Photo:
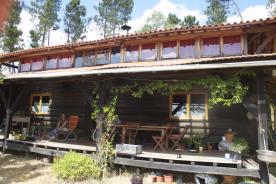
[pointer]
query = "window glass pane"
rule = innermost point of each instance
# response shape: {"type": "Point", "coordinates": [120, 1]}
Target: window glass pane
{"type": "Point", "coordinates": [91, 57]}
{"type": "Point", "coordinates": [25, 66]}
{"type": "Point", "coordinates": [210, 47]}
{"type": "Point", "coordinates": [197, 107]}
{"type": "Point", "coordinates": [51, 63]}
{"type": "Point", "coordinates": [148, 52]}
{"type": "Point", "coordinates": [35, 104]}
{"type": "Point", "coordinates": [232, 45]}
{"type": "Point", "coordinates": [65, 61]}
{"type": "Point", "coordinates": [102, 57]}
{"type": "Point", "coordinates": [187, 49]}
{"type": "Point", "coordinates": [116, 55]}
{"type": "Point", "coordinates": [169, 50]}
{"type": "Point", "coordinates": [179, 106]}
{"type": "Point", "coordinates": [45, 104]}
{"type": "Point", "coordinates": [79, 60]}
{"type": "Point", "coordinates": [132, 53]}
{"type": "Point", "coordinates": [37, 64]}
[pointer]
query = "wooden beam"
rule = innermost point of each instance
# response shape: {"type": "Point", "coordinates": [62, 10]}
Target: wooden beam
{"type": "Point", "coordinates": [264, 43]}
{"type": "Point", "coordinates": [262, 127]}
{"type": "Point", "coordinates": [188, 168]}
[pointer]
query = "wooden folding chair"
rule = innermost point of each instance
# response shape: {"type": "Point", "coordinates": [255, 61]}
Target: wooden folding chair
{"type": "Point", "coordinates": [72, 125]}
{"type": "Point", "coordinates": [162, 141]}
{"type": "Point", "coordinates": [176, 138]}
{"type": "Point", "coordinates": [131, 131]}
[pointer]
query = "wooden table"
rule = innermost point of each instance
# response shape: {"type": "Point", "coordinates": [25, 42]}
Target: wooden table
{"type": "Point", "coordinates": [23, 120]}
{"type": "Point", "coordinates": [151, 128]}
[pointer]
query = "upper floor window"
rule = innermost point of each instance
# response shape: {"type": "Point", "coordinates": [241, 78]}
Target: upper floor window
{"type": "Point", "coordinates": [132, 53]}
{"type": "Point", "coordinates": [148, 52]}
{"type": "Point", "coordinates": [40, 103]}
{"type": "Point", "coordinates": [79, 60]}
{"type": "Point", "coordinates": [189, 106]}
{"type": "Point", "coordinates": [232, 45]}
{"type": "Point", "coordinates": [169, 50]}
{"type": "Point", "coordinates": [25, 65]}
{"type": "Point", "coordinates": [115, 55]}
{"type": "Point", "coordinates": [65, 61]}
{"type": "Point", "coordinates": [187, 49]}
{"type": "Point", "coordinates": [37, 64]}
{"type": "Point", "coordinates": [51, 63]}
{"type": "Point", "coordinates": [91, 58]}
{"type": "Point", "coordinates": [210, 47]}
{"type": "Point", "coordinates": [102, 56]}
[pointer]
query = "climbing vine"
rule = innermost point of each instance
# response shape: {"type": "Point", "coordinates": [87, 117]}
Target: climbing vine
{"type": "Point", "coordinates": [225, 91]}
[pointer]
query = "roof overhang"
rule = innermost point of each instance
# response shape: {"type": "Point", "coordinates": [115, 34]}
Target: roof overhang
{"type": "Point", "coordinates": [145, 69]}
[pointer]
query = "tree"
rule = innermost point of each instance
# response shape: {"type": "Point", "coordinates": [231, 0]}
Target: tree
{"type": "Point", "coordinates": [189, 20]}
{"type": "Point", "coordinates": [46, 14]}
{"type": "Point", "coordinates": [74, 21]}
{"type": "Point", "coordinates": [216, 11]}
{"type": "Point", "coordinates": [172, 21]}
{"type": "Point", "coordinates": [271, 7]}
{"type": "Point", "coordinates": [12, 35]}
{"type": "Point", "coordinates": [112, 14]}
{"type": "Point", "coordinates": [154, 22]}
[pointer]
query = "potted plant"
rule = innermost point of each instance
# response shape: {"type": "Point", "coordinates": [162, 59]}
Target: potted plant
{"type": "Point", "coordinates": [239, 146]}
{"type": "Point", "coordinates": [198, 140]}
{"type": "Point", "coordinates": [210, 147]}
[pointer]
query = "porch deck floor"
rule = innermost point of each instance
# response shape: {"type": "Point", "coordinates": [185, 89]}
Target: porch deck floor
{"type": "Point", "coordinates": [214, 157]}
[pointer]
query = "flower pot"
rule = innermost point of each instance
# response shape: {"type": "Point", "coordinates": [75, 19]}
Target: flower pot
{"type": "Point", "coordinates": [159, 179]}
{"type": "Point", "coordinates": [229, 179]}
{"type": "Point", "coordinates": [200, 148]}
{"type": "Point", "coordinates": [168, 178]}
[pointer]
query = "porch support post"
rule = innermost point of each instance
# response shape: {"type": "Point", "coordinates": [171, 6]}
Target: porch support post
{"type": "Point", "coordinates": [10, 107]}
{"type": "Point", "coordinates": [262, 127]}
{"type": "Point", "coordinates": [100, 118]}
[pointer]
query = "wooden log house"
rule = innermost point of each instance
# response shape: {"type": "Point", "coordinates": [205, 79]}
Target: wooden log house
{"type": "Point", "coordinates": [60, 79]}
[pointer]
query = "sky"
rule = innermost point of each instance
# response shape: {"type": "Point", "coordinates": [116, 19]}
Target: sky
{"type": "Point", "coordinates": [250, 9]}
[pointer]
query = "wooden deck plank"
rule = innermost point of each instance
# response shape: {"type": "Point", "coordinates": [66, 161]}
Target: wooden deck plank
{"type": "Point", "coordinates": [69, 146]}
{"type": "Point", "coordinates": [213, 157]}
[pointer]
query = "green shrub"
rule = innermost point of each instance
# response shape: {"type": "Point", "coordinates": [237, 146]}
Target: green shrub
{"type": "Point", "coordinates": [75, 166]}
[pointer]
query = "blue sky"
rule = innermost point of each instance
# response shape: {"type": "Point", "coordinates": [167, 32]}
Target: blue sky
{"type": "Point", "coordinates": [250, 10]}
{"type": "Point", "coordinates": [141, 5]}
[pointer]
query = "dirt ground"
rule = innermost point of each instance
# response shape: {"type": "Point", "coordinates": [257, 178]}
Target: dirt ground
{"type": "Point", "coordinates": [17, 169]}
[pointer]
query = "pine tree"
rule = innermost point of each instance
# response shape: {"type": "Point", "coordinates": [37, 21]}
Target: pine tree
{"type": "Point", "coordinates": [46, 13]}
{"type": "Point", "coordinates": [271, 7]}
{"type": "Point", "coordinates": [216, 11]}
{"type": "Point", "coordinates": [74, 21]}
{"type": "Point", "coordinates": [172, 21]}
{"type": "Point", "coordinates": [12, 36]}
{"type": "Point", "coordinates": [189, 20]}
{"type": "Point", "coordinates": [154, 22]}
{"type": "Point", "coordinates": [112, 14]}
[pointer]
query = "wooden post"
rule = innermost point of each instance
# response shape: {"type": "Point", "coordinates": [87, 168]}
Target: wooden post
{"type": "Point", "coordinates": [262, 127]}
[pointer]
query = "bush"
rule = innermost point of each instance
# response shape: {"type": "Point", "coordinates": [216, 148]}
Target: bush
{"type": "Point", "coordinates": [75, 166]}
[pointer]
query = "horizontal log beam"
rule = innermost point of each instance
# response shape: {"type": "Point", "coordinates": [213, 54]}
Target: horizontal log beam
{"type": "Point", "coordinates": [188, 168]}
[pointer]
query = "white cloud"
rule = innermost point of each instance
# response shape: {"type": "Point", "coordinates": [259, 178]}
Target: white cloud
{"type": "Point", "coordinates": [252, 12]}
{"type": "Point", "coordinates": [166, 7]}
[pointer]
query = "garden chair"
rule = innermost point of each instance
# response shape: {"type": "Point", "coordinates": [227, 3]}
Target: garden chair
{"type": "Point", "coordinates": [177, 138]}
{"type": "Point", "coordinates": [131, 132]}
{"type": "Point", "coordinates": [162, 141]}
{"type": "Point", "coordinates": [72, 125]}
